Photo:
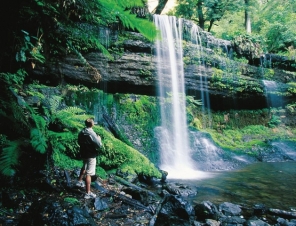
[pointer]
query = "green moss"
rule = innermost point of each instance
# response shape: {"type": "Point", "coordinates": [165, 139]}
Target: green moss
{"type": "Point", "coordinates": [114, 154]}
{"type": "Point", "coordinates": [117, 154]}
{"type": "Point", "coordinates": [145, 73]}
{"type": "Point", "coordinates": [140, 114]}
{"type": "Point", "coordinates": [65, 162]}
{"type": "Point", "coordinates": [268, 73]}
{"type": "Point", "coordinates": [292, 88]}
{"type": "Point", "coordinates": [101, 172]}
{"type": "Point", "coordinates": [248, 137]}
{"type": "Point", "coordinates": [240, 130]}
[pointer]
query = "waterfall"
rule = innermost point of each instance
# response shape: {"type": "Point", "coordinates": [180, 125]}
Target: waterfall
{"type": "Point", "coordinates": [173, 135]}
{"type": "Point", "coordinates": [271, 89]}
{"type": "Point", "coordinates": [196, 39]}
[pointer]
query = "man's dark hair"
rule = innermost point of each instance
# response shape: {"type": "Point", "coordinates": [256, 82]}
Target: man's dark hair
{"type": "Point", "coordinates": [89, 122]}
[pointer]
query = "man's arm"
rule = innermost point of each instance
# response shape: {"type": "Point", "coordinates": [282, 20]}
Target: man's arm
{"type": "Point", "coordinates": [96, 139]}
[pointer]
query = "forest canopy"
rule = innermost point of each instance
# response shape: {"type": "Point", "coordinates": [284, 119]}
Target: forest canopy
{"type": "Point", "coordinates": [271, 22]}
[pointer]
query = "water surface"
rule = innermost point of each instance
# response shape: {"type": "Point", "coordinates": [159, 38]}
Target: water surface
{"type": "Point", "coordinates": [272, 184]}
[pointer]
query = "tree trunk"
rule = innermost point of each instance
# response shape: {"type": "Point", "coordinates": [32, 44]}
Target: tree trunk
{"type": "Point", "coordinates": [211, 24]}
{"type": "Point", "coordinates": [160, 7]}
{"type": "Point", "coordinates": [247, 17]}
{"type": "Point", "coordinates": [201, 19]}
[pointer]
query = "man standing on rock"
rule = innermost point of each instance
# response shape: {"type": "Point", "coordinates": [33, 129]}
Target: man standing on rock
{"type": "Point", "coordinates": [89, 143]}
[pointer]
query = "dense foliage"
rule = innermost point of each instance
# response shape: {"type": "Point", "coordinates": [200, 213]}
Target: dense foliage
{"type": "Point", "coordinates": [272, 22]}
{"type": "Point", "coordinates": [56, 28]}
{"type": "Point", "coordinates": [36, 119]}
{"type": "Point", "coordinates": [39, 121]}
{"type": "Point", "coordinates": [206, 12]}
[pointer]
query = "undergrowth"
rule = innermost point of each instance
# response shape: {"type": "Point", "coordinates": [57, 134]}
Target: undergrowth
{"type": "Point", "coordinates": [249, 136]}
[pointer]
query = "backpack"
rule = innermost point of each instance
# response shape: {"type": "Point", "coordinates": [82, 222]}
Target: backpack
{"type": "Point", "coordinates": [85, 139]}
{"type": "Point", "coordinates": [87, 146]}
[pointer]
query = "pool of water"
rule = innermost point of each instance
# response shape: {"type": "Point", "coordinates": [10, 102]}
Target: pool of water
{"type": "Point", "coordinates": [272, 184]}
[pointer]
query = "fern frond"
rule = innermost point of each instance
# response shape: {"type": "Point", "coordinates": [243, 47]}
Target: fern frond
{"type": "Point", "coordinates": [9, 158]}
{"type": "Point", "coordinates": [38, 140]}
{"type": "Point", "coordinates": [73, 110]}
{"type": "Point", "coordinates": [145, 27]}
{"type": "Point", "coordinates": [53, 103]}
{"type": "Point", "coordinates": [60, 136]}
{"type": "Point", "coordinates": [130, 21]}
{"type": "Point", "coordinates": [129, 3]}
{"type": "Point", "coordinates": [65, 142]}
{"type": "Point", "coordinates": [39, 122]}
{"type": "Point", "coordinates": [72, 117]}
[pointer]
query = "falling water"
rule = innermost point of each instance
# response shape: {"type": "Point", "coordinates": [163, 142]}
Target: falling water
{"type": "Point", "coordinates": [174, 147]}
{"type": "Point", "coordinates": [272, 99]}
{"type": "Point", "coordinates": [195, 38]}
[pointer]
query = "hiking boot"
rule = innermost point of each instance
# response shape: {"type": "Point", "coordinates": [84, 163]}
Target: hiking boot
{"type": "Point", "coordinates": [80, 184]}
{"type": "Point", "coordinates": [90, 195]}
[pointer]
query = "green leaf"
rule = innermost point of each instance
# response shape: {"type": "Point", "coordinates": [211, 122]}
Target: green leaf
{"type": "Point", "coordinates": [9, 158]}
{"type": "Point", "coordinates": [38, 141]}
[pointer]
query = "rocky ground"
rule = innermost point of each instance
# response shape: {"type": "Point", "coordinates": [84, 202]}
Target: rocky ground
{"type": "Point", "coordinates": [52, 198]}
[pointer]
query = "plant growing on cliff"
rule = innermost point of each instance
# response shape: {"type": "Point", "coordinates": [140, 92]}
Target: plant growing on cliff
{"type": "Point", "coordinates": [42, 30]}
{"type": "Point", "coordinates": [77, 22]}
{"type": "Point", "coordinates": [292, 88]}
{"type": "Point", "coordinates": [249, 46]}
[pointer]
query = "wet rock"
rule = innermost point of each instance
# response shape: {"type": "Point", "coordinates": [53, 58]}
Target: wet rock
{"type": "Point", "coordinates": [99, 204]}
{"type": "Point", "coordinates": [206, 210]}
{"type": "Point", "coordinates": [230, 209]}
{"type": "Point", "coordinates": [256, 222]}
{"type": "Point", "coordinates": [78, 216]}
{"type": "Point", "coordinates": [140, 195]}
{"type": "Point", "coordinates": [97, 185]}
{"type": "Point", "coordinates": [283, 213]}
{"type": "Point", "coordinates": [179, 189]}
{"type": "Point", "coordinates": [211, 222]}
{"type": "Point", "coordinates": [176, 206]}
{"type": "Point", "coordinates": [259, 209]}
{"type": "Point", "coordinates": [148, 180]}
{"type": "Point", "coordinates": [282, 221]}
{"type": "Point", "coordinates": [112, 208]}
{"type": "Point", "coordinates": [235, 220]}
{"type": "Point", "coordinates": [196, 223]}
{"type": "Point", "coordinates": [52, 211]}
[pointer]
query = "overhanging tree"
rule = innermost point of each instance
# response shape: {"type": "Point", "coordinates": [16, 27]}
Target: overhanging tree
{"type": "Point", "coordinates": [206, 12]}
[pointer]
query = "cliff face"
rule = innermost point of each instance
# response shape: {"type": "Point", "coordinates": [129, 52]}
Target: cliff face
{"type": "Point", "coordinates": [228, 83]}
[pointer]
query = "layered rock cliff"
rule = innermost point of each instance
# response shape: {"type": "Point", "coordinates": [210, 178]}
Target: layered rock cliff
{"type": "Point", "coordinates": [208, 69]}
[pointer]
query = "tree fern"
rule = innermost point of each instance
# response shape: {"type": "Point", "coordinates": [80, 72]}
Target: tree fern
{"type": "Point", "coordinates": [9, 157]}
